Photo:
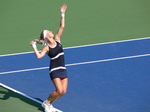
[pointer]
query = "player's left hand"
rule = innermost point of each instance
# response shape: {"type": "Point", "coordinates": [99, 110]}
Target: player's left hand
{"type": "Point", "coordinates": [63, 8]}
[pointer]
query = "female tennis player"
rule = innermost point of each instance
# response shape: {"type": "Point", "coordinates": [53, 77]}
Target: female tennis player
{"type": "Point", "coordinates": [57, 67]}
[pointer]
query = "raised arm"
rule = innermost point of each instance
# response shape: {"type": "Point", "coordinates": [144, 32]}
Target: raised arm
{"type": "Point", "coordinates": [62, 22]}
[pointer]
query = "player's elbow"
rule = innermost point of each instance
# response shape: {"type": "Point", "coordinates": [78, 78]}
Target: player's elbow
{"type": "Point", "coordinates": [62, 27]}
{"type": "Point", "coordinates": [38, 57]}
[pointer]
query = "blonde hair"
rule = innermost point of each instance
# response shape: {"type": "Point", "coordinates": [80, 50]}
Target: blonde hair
{"type": "Point", "coordinates": [41, 39]}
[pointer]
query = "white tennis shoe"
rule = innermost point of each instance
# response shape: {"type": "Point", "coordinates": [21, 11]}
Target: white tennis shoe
{"type": "Point", "coordinates": [55, 109]}
{"type": "Point", "coordinates": [47, 107]}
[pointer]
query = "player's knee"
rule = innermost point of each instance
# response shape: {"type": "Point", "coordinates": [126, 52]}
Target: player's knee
{"type": "Point", "coordinates": [62, 92]}
{"type": "Point", "coordinates": [59, 93]}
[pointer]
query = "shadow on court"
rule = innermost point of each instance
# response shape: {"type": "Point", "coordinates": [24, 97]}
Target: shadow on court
{"type": "Point", "coordinates": [10, 98]}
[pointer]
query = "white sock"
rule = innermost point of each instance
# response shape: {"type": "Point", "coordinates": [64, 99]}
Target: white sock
{"type": "Point", "coordinates": [47, 101]}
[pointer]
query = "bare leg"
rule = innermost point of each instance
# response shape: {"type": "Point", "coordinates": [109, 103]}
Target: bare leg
{"type": "Point", "coordinates": [61, 86]}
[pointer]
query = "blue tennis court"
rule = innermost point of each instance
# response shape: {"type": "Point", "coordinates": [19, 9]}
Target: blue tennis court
{"type": "Point", "coordinates": [108, 77]}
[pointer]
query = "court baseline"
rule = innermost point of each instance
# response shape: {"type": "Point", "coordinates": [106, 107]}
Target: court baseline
{"type": "Point", "coordinates": [73, 64]}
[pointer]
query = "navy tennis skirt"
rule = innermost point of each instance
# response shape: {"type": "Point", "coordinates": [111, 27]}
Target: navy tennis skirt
{"type": "Point", "coordinates": [61, 73]}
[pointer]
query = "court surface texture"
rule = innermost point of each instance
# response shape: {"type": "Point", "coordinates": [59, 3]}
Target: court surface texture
{"type": "Point", "coordinates": [107, 54]}
{"type": "Point", "coordinates": [102, 77]}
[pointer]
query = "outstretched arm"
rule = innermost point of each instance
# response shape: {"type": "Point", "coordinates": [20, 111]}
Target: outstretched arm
{"type": "Point", "coordinates": [62, 22]}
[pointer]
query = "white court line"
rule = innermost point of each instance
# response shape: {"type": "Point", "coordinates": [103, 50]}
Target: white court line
{"type": "Point", "coordinates": [109, 42]}
{"type": "Point", "coordinates": [112, 59]}
{"type": "Point", "coordinates": [25, 70]}
{"type": "Point", "coordinates": [19, 93]}
{"type": "Point", "coordinates": [89, 62]}
{"type": "Point", "coordinates": [83, 46]}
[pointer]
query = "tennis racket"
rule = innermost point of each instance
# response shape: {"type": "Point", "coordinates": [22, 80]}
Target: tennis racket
{"type": "Point", "coordinates": [40, 42]}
